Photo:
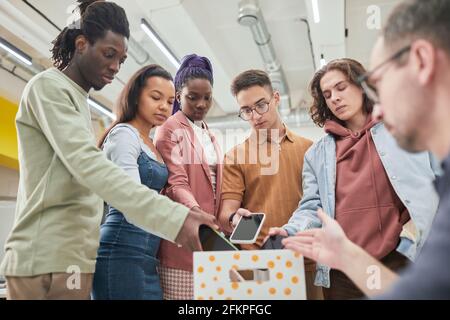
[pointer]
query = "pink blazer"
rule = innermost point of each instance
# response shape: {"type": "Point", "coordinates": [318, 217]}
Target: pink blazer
{"type": "Point", "coordinates": [189, 179]}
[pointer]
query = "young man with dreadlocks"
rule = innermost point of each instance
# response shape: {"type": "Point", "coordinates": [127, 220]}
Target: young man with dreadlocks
{"type": "Point", "coordinates": [51, 251]}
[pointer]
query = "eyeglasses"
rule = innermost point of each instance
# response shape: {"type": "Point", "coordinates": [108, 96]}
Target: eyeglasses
{"type": "Point", "coordinates": [246, 113]}
{"type": "Point", "coordinates": [364, 82]}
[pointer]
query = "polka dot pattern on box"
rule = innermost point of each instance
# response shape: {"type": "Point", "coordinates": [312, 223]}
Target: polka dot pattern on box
{"type": "Point", "coordinates": [279, 275]}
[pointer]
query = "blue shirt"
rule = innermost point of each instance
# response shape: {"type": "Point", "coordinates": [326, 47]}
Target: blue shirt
{"type": "Point", "coordinates": [429, 277]}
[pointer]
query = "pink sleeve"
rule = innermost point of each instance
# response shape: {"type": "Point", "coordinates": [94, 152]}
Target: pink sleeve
{"type": "Point", "coordinates": [170, 143]}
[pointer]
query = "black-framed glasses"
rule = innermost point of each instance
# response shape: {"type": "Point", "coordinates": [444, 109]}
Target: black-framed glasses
{"type": "Point", "coordinates": [364, 82]}
{"type": "Point", "coordinates": [246, 113]}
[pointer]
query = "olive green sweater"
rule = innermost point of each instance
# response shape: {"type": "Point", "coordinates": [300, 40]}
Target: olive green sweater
{"type": "Point", "coordinates": [63, 177]}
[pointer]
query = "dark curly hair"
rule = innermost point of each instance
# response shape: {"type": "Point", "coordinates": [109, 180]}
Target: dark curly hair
{"type": "Point", "coordinates": [97, 18]}
{"type": "Point", "coordinates": [319, 110]}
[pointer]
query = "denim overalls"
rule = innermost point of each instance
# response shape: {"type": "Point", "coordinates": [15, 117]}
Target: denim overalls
{"type": "Point", "coordinates": [126, 260]}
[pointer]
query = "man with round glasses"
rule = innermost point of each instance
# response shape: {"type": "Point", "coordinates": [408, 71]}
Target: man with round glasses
{"type": "Point", "coordinates": [264, 173]}
{"type": "Point", "coordinates": [261, 107]}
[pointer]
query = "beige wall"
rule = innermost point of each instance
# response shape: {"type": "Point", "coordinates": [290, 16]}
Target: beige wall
{"type": "Point", "coordinates": [9, 182]}
{"type": "Point", "coordinates": [6, 222]}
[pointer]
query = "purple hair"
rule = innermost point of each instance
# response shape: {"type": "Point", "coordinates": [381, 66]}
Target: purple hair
{"type": "Point", "coordinates": [192, 67]}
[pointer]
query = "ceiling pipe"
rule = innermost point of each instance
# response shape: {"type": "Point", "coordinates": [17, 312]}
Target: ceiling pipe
{"type": "Point", "coordinates": [250, 15]}
{"type": "Point", "coordinates": [311, 47]}
{"type": "Point", "coordinates": [23, 27]}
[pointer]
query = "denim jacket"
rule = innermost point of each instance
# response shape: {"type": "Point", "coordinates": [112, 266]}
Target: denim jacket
{"type": "Point", "coordinates": [411, 176]}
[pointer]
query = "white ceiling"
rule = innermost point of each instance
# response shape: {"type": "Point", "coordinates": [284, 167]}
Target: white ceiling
{"type": "Point", "coordinates": [210, 28]}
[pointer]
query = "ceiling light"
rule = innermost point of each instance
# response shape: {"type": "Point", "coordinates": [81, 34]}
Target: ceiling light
{"type": "Point", "coordinates": [102, 109]}
{"type": "Point", "coordinates": [160, 43]}
{"type": "Point", "coordinates": [16, 53]}
{"type": "Point", "coordinates": [315, 7]}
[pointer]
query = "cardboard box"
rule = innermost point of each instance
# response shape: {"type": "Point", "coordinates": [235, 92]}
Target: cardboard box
{"type": "Point", "coordinates": [249, 275]}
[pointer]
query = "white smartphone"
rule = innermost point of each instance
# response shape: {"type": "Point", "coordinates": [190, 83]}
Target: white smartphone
{"type": "Point", "coordinates": [248, 228]}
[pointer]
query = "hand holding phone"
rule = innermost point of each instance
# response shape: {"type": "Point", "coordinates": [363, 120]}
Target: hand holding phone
{"type": "Point", "coordinates": [241, 212]}
{"type": "Point", "coordinates": [188, 235]}
{"type": "Point", "coordinates": [213, 240]}
{"type": "Point", "coordinates": [274, 242]}
{"type": "Point", "coordinates": [248, 228]}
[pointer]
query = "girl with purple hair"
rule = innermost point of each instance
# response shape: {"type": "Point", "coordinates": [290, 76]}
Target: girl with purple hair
{"type": "Point", "coordinates": [194, 160]}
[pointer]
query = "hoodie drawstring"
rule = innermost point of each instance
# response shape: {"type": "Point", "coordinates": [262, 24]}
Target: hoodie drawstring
{"type": "Point", "coordinates": [372, 173]}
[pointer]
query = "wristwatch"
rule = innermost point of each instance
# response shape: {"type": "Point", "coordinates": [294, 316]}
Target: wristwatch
{"type": "Point", "coordinates": [230, 219]}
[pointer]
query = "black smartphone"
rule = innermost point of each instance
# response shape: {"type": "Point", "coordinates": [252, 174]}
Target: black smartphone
{"type": "Point", "coordinates": [273, 243]}
{"type": "Point", "coordinates": [213, 240]}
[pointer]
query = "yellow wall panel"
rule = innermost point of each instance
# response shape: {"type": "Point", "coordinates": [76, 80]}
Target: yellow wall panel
{"type": "Point", "coordinates": [8, 136]}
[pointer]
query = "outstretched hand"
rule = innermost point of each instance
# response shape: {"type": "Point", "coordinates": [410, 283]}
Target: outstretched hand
{"type": "Point", "coordinates": [325, 245]}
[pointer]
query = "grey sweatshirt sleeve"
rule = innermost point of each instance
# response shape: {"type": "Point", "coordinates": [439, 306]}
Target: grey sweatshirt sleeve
{"type": "Point", "coordinates": [122, 147]}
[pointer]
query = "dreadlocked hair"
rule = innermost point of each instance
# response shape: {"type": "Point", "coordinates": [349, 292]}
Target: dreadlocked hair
{"type": "Point", "coordinates": [96, 19]}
